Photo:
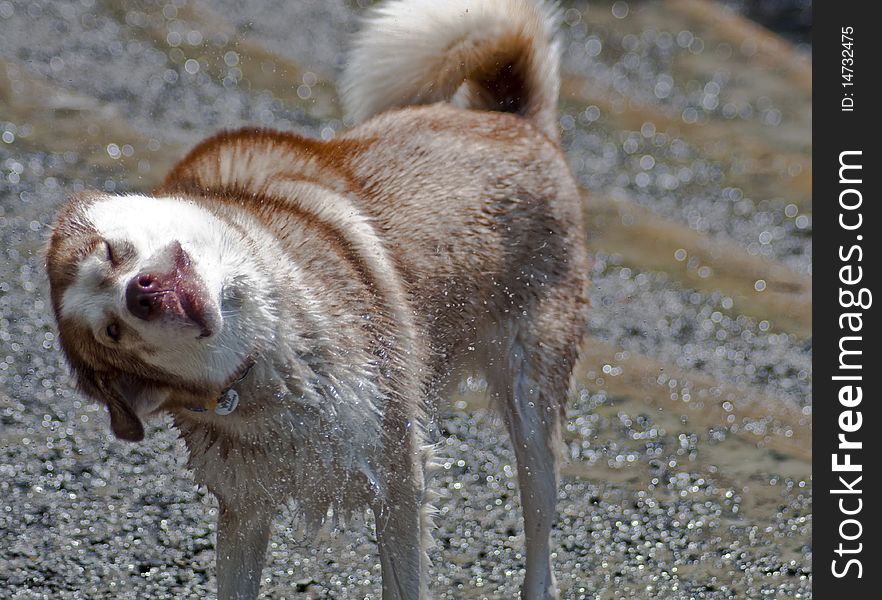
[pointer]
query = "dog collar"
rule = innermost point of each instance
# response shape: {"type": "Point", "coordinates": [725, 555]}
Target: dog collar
{"type": "Point", "coordinates": [228, 399]}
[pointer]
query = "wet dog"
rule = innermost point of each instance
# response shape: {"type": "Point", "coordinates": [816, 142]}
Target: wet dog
{"type": "Point", "coordinates": [299, 306]}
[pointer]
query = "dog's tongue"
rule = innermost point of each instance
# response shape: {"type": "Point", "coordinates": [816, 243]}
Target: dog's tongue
{"type": "Point", "coordinates": [188, 294]}
{"type": "Point", "coordinates": [193, 305]}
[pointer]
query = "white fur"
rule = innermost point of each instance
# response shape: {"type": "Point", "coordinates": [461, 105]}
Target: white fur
{"type": "Point", "coordinates": [151, 225]}
{"type": "Point", "coordinates": [401, 55]}
{"type": "Point", "coordinates": [329, 411]}
{"type": "Point", "coordinates": [333, 421]}
{"type": "Point", "coordinates": [360, 232]}
{"type": "Point", "coordinates": [327, 408]}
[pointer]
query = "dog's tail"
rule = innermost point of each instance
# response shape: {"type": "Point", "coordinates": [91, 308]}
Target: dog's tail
{"type": "Point", "coordinates": [498, 55]}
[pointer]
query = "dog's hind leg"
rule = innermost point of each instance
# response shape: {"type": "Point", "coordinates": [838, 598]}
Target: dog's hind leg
{"type": "Point", "coordinates": [529, 372]}
{"type": "Point", "coordinates": [533, 431]}
{"type": "Point", "coordinates": [242, 535]}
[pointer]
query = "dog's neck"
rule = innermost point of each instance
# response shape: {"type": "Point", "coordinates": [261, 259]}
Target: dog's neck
{"type": "Point", "coordinates": [228, 399]}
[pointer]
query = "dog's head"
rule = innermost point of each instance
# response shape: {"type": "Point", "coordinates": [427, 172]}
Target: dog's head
{"type": "Point", "coordinates": [145, 301]}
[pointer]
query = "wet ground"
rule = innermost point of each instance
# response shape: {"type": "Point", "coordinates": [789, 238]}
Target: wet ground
{"type": "Point", "coordinates": [690, 421]}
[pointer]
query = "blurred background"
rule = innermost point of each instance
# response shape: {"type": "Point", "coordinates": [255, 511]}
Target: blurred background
{"type": "Point", "coordinates": [688, 125]}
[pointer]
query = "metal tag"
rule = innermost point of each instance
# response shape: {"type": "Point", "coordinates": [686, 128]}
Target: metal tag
{"type": "Point", "coordinates": [228, 402]}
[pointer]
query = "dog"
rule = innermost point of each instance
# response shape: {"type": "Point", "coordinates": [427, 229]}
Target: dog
{"type": "Point", "coordinates": [300, 307]}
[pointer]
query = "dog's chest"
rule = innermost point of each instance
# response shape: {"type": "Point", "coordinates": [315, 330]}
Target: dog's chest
{"type": "Point", "coordinates": [322, 449]}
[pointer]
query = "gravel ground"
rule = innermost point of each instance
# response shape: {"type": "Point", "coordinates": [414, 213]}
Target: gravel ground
{"type": "Point", "coordinates": [652, 504]}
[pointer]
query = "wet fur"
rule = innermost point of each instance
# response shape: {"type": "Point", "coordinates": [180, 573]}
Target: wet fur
{"type": "Point", "coordinates": [367, 274]}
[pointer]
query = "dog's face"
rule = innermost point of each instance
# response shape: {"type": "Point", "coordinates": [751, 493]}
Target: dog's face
{"type": "Point", "coordinates": [145, 295]}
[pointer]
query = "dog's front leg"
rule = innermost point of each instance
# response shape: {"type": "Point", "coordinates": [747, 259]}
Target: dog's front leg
{"type": "Point", "coordinates": [242, 535]}
{"type": "Point", "coordinates": [401, 523]}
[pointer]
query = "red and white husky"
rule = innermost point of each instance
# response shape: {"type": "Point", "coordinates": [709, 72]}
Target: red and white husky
{"type": "Point", "coordinates": [299, 306]}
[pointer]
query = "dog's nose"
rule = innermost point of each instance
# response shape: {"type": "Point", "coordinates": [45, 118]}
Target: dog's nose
{"type": "Point", "coordinates": [144, 296]}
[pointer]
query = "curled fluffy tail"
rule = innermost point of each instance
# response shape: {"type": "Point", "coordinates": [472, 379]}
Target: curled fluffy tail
{"type": "Point", "coordinates": [498, 55]}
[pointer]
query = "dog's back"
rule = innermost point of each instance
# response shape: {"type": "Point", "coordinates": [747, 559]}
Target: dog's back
{"type": "Point", "coordinates": [499, 244]}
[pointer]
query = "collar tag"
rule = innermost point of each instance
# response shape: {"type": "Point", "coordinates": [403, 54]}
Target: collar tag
{"type": "Point", "coordinates": [227, 402]}
{"type": "Point", "coordinates": [229, 398]}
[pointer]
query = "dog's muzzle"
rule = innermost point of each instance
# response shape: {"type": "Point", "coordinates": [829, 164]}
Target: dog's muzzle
{"type": "Point", "coordinates": [174, 293]}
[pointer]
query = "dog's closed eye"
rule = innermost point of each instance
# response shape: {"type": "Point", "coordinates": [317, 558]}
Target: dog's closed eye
{"type": "Point", "coordinates": [108, 248]}
{"type": "Point", "coordinates": [118, 252]}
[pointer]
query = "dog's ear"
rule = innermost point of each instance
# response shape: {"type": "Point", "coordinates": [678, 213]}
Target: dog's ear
{"type": "Point", "coordinates": [124, 423]}
{"type": "Point", "coordinates": [120, 395]}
